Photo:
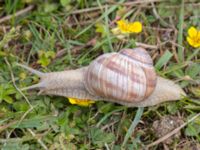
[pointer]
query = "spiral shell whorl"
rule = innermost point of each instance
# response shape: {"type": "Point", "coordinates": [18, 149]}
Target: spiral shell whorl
{"type": "Point", "coordinates": [125, 76]}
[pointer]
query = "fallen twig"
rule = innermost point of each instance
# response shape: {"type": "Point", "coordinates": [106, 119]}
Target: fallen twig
{"type": "Point", "coordinates": [75, 49]}
{"type": "Point", "coordinates": [3, 127]}
{"type": "Point", "coordinates": [172, 132]}
{"type": "Point", "coordinates": [162, 21]}
{"type": "Point", "coordinates": [39, 140]}
{"type": "Point", "coordinates": [21, 12]}
{"type": "Point", "coordinates": [133, 3]}
{"type": "Point", "coordinates": [24, 115]}
{"type": "Point", "coordinates": [146, 45]}
{"type": "Point", "coordinates": [13, 80]}
{"type": "Point", "coordinates": [159, 28]}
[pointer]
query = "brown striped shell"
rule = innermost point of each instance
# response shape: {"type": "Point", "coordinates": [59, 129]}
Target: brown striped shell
{"type": "Point", "coordinates": [127, 76]}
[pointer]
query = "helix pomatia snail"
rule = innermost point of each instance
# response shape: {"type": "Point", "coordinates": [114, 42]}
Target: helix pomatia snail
{"type": "Point", "coordinates": [127, 77]}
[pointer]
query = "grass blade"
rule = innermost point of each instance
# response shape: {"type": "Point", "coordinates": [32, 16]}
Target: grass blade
{"type": "Point", "coordinates": [180, 33]}
{"type": "Point", "coordinates": [193, 54]}
{"type": "Point", "coordinates": [133, 125]}
{"type": "Point", "coordinates": [108, 32]}
{"type": "Point", "coordinates": [163, 60]}
{"type": "Point", "coordinates": [107, 115]}
{"type": "Point", "coordinates": [110, 10]}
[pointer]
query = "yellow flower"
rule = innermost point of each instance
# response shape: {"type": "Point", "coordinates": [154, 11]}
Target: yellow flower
{"type": "Point", "coordinates": [80, 102]}
{"type": "Point", "coordinates": [127, 27]}
{"type": "Point", "coordinates": [193, 37]}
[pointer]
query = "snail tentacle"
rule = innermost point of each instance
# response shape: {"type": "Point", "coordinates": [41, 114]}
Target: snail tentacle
{"type": "Point", "coordinates": [35, 86]}
{"type": "Point", "coordinates": [38, 73]}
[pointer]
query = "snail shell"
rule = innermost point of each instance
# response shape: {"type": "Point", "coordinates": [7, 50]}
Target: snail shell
{"type": "Point", "coordinates": [128, 75]}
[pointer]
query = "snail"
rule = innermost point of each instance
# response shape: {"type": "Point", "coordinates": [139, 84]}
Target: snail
{"type": "Point", "coordinates": [127, 78]}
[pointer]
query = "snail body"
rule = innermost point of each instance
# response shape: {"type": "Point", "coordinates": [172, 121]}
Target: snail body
{"type": "Point", "coordinates": [127, 77]}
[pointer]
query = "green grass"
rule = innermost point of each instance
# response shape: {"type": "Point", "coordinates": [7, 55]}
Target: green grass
{"type": "Point", "coordinates": [37, 37]}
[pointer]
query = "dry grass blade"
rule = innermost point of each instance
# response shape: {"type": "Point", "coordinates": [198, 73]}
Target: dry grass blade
{"type": "Point", "coordinates": [13, 80]}
{"type": "Point", "coordinates": [172, 132]}
{"type": "Point", "coordinates": [19, 13]}
{"type": "Point", "coordinates": [114, 3]}
{"type": "Point", "coordinates": [39, 140]}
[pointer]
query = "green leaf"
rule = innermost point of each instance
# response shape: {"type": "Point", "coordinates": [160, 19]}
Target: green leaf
{"type": "Point", "coordinates": [101, 28]}
{"type": "Point", "coordinates": [193, 70]}
{"type": "Point", "coordinates": [106, 108]}
{"type": "Point", "coordinates": [36, 122]}
{"type": "Point", "coordinates": [100, 138]}
{"type": "Point", "coordinates": [50, 7]}
{"type": "Point", "coordinates": [163, 11]}
{"type": "Point", "coordinates": [172, 108]}
{"type": "Point", "coordinates": [163, 60]}
{"type": "Point", "coordinates": [2, 54]}
{"type": "Point", "coordinates": [15, 145]}
{"type": "Point", "coordinates": [43, 61]}
{"type": "Point", "coordinates": [64, 2]}
{"type": "Point", "coordinates": [7, 37]}
{"type": "Point", "coordinates": [192, 130]}
{"type": "Point", "coordinates": [195, 91]}
{"type": "Point", "coordinates": [8, 99]}
{"type": "Point", "coordinates": [50, 54]}
{"type": "Point", "coordinates": [21, 106]}
{"type": "Point", "coordinates": [45, 57]}
{"type": "Point", "coordinates": [10, 91]}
